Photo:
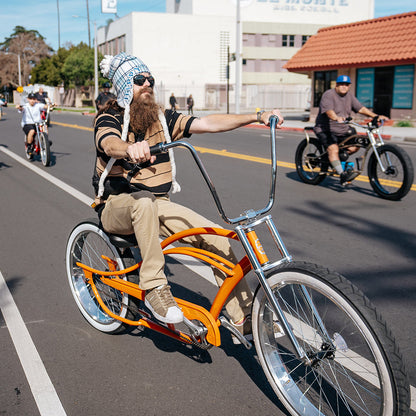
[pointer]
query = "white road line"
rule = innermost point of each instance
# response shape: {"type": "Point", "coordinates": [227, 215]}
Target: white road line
{"type": "Point", "coordinates": [42, 388]}
{"type": "Point", "coordinates": [65, 187]}
{"type": "Point", "coordinates": [196, 266]}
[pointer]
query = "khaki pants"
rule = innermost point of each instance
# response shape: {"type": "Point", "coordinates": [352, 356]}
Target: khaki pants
{"type": "Point", "coordinates": [148, 217]}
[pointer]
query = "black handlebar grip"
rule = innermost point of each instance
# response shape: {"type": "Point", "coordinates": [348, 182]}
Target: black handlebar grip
{"type": "Point", "coordinates": [156, 149]}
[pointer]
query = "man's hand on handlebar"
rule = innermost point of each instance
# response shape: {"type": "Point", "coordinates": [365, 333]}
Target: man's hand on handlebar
{"type": "Point", "coordinates": [265, 118]}
{"type": "Point", "coordinates": [139, 152]}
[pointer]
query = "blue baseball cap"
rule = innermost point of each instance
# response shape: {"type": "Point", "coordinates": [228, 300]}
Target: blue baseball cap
{"type": "Point", "coordinates": [343, 79]}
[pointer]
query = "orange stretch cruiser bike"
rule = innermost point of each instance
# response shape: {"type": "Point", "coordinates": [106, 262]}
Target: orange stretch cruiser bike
{"type": "Point", "coordinates": [322, 345]}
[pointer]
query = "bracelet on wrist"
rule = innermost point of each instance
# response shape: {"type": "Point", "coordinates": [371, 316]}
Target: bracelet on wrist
{"type": "Point", "coordinates": [259, 114]}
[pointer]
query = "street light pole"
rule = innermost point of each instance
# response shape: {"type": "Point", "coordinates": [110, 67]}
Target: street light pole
{"type": "Point", "coordinates": [95, 55]}
{"type": "Point", "coordinates": [19, 69]}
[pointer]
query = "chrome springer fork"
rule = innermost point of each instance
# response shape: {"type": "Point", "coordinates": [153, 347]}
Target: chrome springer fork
{"type": "Point", "coordinates": [243, 232]}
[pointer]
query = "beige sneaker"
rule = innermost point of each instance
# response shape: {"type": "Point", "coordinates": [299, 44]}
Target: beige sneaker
{"type": "Point", "coordinates": [162, 305]}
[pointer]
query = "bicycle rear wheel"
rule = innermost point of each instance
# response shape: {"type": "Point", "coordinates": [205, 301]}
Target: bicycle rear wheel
{"type": "Point", "coordinates": [87, 244]}
{"type": "Point", "coordinates": [45, 151]}
{"type": "Point", "coordinates": [396, 181]}
{"type": "Point", "coordinates": [356, 367]}
{"type": "Point", "coordinates": [309, 165]}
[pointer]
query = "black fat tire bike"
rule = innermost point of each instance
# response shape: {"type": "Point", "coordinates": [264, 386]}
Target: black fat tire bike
{"type": "Point", "coordinates": [390, 169]}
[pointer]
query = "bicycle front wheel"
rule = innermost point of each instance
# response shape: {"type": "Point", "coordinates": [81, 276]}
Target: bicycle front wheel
{"type": "Point", "coordinates": [309, 165]}
{"type": "Point", "coordinates": [45, 151]}
{"type": "Point", "coordinates": [396, 181]}
{"type": "Point", "coordinates": [355, 367]}
{"type": "Point", "coordinates": [88, 244]}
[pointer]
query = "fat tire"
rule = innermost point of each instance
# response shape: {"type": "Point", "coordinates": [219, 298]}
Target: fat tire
{"type": "Point", "coordinates": [334, 289]}
{"type": "Point", "coordinates": [406, 167]}
{"type": "Point", "coordinates": [318, 176]}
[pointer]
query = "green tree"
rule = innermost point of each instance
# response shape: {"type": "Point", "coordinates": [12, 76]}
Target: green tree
{"type": "Point", "coordinates": [79, 66]}
{"type": "Point", "coordinates": [49, 69]}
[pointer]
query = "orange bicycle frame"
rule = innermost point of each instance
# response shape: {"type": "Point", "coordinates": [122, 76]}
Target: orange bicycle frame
{"type": "Point", "coordinates": [210, 319]}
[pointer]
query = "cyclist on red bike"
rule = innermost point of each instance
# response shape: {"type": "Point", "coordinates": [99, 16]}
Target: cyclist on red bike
{"type": "Point", "coordinates": [31, 115]}
{"type": "Point", "coordinates": [335, 106]}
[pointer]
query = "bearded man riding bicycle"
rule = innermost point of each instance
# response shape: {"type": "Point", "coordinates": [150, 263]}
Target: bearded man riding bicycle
{"type": "Point", "coordinates": [132, 200]}
{"type": "Point", "coordinates": [335, 106]}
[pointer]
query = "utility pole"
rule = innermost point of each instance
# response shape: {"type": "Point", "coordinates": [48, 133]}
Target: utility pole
{"type": "Point", "coordinates": [88, 19]}
{"type": "Point", "coordinates": [95, 61]}
{"type": "Point", "coordinates": [59, 26]}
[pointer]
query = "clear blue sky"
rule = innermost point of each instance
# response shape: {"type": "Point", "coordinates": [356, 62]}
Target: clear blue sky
{"type": "Point", "coordinates": [42, 16]}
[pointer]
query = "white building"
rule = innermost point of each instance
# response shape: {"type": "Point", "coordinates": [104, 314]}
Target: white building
{"type": "Point", "coordinates": [187, 48]}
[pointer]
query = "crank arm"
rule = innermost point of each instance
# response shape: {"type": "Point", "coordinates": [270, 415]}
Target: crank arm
{"type": "Point", "coordinates": [235, 332]}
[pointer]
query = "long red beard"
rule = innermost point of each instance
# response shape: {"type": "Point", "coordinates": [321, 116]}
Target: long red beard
{"type": "Point", "coordinates": [143, 112]}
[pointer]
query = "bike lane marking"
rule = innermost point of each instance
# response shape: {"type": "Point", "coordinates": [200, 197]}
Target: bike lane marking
{"type": "Point", "coordinates": [40, 384]}
{"type": "Point", "coordinates": [60, 184]}
{"type": "Point", "coordinates": [226, 153]}
{"type": "Point", "coordinates": [199, 268]}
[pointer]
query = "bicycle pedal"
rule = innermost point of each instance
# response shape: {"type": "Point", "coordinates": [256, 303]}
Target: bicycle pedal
{"type": "Point", "coordinates": [234, 332]}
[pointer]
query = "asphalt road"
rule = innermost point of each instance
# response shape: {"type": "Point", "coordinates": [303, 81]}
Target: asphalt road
{"type": "Point", "coordinates": [368, 239]}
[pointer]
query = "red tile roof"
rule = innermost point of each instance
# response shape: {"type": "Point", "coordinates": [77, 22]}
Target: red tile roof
{"type": "Point", "coordinates": [384, 41]}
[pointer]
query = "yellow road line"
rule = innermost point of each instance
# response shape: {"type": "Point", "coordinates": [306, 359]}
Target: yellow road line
{"type": "Point", "coordinates": [232, 155]}
{"type": "Point", "coordinates": [73, 126]}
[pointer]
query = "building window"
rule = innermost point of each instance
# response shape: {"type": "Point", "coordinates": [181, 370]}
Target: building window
{"type": "Point", "coordinates": [304, 39]}
{"type": "Point", "coordinates": [323, 80]}
{"type": "Point", "coordinates": [113, 46]}
{"type": "Point", "coordinates": [224, 58]}
{"type": "Point", "coordinates": [288, 40]}
{"type": "Point", "coordinates": [403, 86]}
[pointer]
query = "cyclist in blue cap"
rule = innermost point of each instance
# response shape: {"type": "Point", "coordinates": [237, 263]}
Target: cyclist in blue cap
{"type": "Point", "coordinates": [335, 106]}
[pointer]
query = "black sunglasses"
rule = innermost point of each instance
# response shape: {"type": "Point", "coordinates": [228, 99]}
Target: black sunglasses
{"type": "Point", "coordinates": [140, 79]}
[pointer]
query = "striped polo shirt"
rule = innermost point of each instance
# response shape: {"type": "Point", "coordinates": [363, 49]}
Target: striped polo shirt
{"type": "Point", "coordinates": [155, 177]}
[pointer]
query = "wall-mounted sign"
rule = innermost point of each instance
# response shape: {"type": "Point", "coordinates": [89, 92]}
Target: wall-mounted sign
{"type": "Point", "coordinates": [403, 86]}
{"type": "Point", "coordinates": [109, 6]}
{"type": "Point", "coordinates": [365, 86]}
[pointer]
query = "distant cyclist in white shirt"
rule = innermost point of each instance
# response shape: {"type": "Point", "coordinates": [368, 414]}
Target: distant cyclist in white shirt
{"type": "Point", "coordinates": [31, 115]}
